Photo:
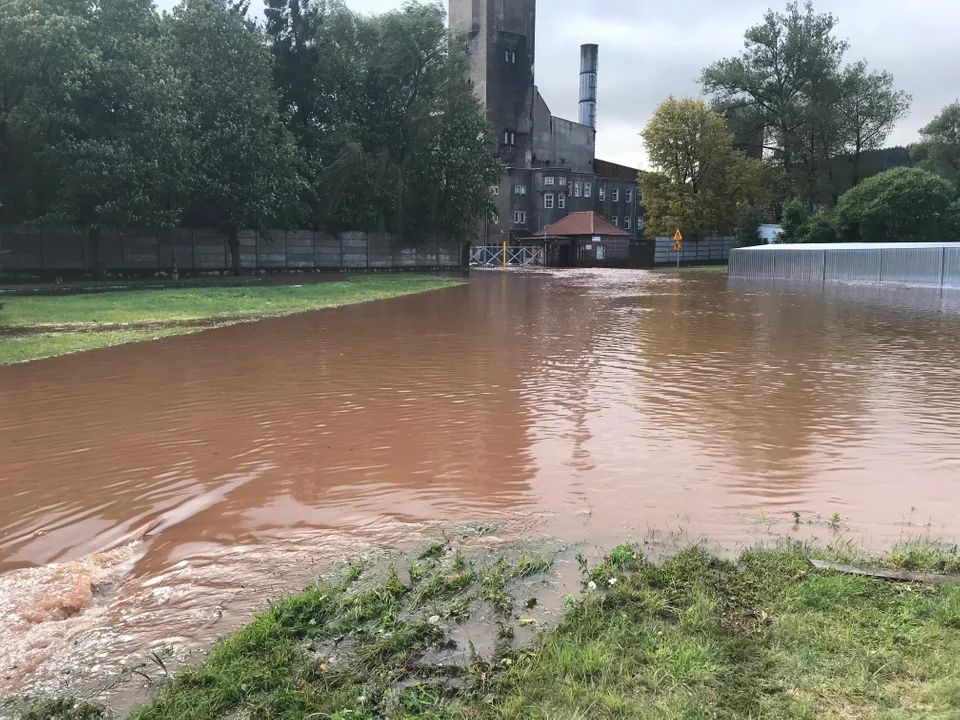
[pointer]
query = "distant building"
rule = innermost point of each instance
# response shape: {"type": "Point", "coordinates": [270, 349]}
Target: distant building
{"type": "Point", "coordinates": [770, 234]}
{"type": "Point", "coordinates": [552, 169]}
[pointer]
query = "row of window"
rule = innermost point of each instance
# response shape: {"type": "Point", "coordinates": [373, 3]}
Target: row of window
{"type": "Point", "coordinates": [520, 218]}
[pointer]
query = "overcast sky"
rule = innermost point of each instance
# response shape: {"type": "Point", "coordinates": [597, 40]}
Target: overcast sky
{"type": "Point", "coordinates": [650, 49]}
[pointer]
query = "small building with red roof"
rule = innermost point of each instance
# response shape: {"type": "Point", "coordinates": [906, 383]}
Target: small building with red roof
{"type": "Point", "coordinates": [585, 239]}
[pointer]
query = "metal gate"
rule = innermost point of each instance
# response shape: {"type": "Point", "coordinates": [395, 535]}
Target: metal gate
{"type": "Point", "coordinates": [491, 256]}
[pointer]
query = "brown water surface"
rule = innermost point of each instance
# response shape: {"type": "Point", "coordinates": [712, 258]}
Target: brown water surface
{"type": "Point", "coordinates": [590, 405]}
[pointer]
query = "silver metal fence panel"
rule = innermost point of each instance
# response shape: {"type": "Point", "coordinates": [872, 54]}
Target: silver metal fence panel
{"type": "Point", "coordinates": [911, 266]}
{"type": "Point", "coordinates": [751, 264]}
{"type": "Point", "coordinates": [806, 265]}
{"type": "Point", "coordinates": [852, 266]}
{"type": "Point", "coordinates": [951, 267]}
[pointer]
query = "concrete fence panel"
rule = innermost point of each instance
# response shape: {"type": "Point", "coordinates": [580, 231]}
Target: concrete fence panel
{"type": "Point", "coordinates": [30, 249]}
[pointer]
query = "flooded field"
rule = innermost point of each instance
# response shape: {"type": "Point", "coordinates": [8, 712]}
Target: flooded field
{"type": "Point", "coordinates": [157, 494]}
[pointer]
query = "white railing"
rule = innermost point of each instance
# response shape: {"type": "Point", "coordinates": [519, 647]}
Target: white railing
{"type": "Point", "coordinates": [507, 256]}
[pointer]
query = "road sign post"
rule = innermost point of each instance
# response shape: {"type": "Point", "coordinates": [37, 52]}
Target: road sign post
{"type": "Point", "coordinates": [677, 245]}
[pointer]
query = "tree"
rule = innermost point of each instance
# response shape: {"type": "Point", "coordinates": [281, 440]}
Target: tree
{"type": "Point", "coordinates": [97, 146]}
{"type": "Point", "coordinates": [45, 59]}
{"type": "Point", "coordinates": [939, 145]}
{"type": "Point", "coordinates": [244, 162]}
{"type": "Point", "coordinates": [794, 221]}
{"type": "Point", "coordinates": [785, 82]}
{"type": "Point", "coordinates": [748, 229]}
{"type": "Point", "coordinates": [121, 161]}
{"type": "Point", "coordinates": [869, 108]}
{"type": "Point", "coordinates": [700, 180]}
{"type": "Point", "coordinates": [903, 204]}
{"type": "Point", "coordinates": [819, 228]}
{"type": "Point", "coordinates": [394, 138]}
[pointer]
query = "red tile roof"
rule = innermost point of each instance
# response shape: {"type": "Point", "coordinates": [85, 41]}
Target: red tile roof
{"type": "Point", "coordinates": [582, 223]}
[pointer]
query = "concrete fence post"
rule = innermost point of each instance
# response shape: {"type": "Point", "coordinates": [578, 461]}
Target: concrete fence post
{"type": "Point", "coordinates": [943, 266]}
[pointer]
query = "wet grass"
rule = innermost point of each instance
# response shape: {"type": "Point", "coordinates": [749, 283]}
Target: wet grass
{"type": "Point", "coordinates": [693, 636]}
{"type": "Point", "coordinates": [40, 327]}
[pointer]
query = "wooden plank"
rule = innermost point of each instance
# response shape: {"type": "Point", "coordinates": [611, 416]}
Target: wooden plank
{"type": "Point", "coordinates": [884, 574]}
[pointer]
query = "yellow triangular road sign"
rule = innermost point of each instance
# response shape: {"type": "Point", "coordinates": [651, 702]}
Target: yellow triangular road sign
{"type": "Point", "coordinates": [677, 236]}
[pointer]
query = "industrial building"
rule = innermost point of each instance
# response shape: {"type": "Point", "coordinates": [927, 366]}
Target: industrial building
{"type": "Point", "coordinates": [552, 169]}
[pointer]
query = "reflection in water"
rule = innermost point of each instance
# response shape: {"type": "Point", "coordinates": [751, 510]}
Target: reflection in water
{"type": "Point", "coordinates": [587, 404]}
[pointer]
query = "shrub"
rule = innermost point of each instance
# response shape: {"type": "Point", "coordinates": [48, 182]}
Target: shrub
{"type": "Point", "coordinates": [748, 229]}
{"type": "Point", "coordinates": [819, 229]}
{"type": "Point", "coordinates": [902, 204]}
{"type": "Point", "coordinates": [793, 222]}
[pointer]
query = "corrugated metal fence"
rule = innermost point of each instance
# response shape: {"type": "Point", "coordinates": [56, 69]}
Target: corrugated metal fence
{"type": "Point", "coordinates": [26, 249]}
{"type": "Point", "coordinates": [900, 264]}
{"type": "Point", "coordinates": [708, 250]}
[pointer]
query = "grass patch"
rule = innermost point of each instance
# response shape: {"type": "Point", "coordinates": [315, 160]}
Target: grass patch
{"type": "Point", "coordinates": [42, 345]}
{"type": "Point", "coordinates": [693, 636]}
{"type": "Point", "coordinates": [70, 323]}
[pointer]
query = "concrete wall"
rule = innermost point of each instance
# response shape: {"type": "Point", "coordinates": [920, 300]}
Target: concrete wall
{"type": "Point", "coordinates": [560, 143]}
{"type": "Point", "coordinates": [48, 250]}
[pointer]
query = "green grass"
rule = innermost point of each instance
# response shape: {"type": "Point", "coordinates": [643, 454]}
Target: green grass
{"type": "Point", "coordinates": [70, 323]}
{"type": "Point", "coordinates": [43, 345]}
{"type": "Point", "coordinates": [693, 636]}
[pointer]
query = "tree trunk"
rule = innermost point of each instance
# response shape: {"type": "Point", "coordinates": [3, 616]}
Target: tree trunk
{"type": "Point", "coordinates": [93, 240]}
{"type": "Point", "coordinates": [856, 167]}
{"type": "Point", "coordinates": [234, 242]}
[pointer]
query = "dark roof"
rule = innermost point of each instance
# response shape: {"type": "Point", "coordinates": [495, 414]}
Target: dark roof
{"type": "Point", "coordinates": [582, 223]}
{"type": "Point", "coordinates": [612, 171]}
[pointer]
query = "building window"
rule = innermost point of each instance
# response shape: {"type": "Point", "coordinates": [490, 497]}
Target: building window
{"type": "Point", "coordinates": [629, 195]}
{"type": "Point", "coordinates": [548, 201]}
{"type": "Point", "coordinates": [549, 180]}
{"type": "Point", "coordinates": [519, 217]}
{"type": "Point", "coordinates": [494, 189]}
{"type": "Point", "coordinates": [581, 252]}
{"type": "Point", "coordinates": [496, 219]}
{"type": "Point", "coordinates": [615, 220]}
{"type": "Point", "coordinates": [639, 196]}
{"type": "Point", "coordinates": [510, 56]}
{"type": "Point", "coordinates": [509, 138]}
{"type": "Point", "coordinates": [519, 189]}
{"type": "Point", "coordinates": [616, 194]}
{"type": "Point", "coordinates": [577, 189]}
{"type": "Point", "coordinates": [626, 222]}
{"type": "Point", "coordinates": [601, 252]}
{"type": "Point", "coordinates": [586, 189]}
{"type": "Point", "coordinates": [561, 201]}
{"type": "Point", "coordinates": [603, 193]}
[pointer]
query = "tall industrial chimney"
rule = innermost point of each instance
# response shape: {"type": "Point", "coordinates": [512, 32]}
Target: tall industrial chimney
{"type": "Point", "coordinates": [588, 84]}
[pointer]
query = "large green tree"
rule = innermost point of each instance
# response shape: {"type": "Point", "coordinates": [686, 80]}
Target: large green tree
{"type": "Point", "coordinates": [394, 137]}
{"type": "Point", "coordinates": [92, 126]}
{"type": "Point", "coordinates": [784, 83]}
{"type": "Point", "coordinates": [869, 108]}
{"type": "Point", "coordinates": [243, 160]}
{"type": "Point", "coordinates": [939, 145]}
{"type": "Point", "coordinates": [699, 180]}
{"type": "Point", "coordinates": [45, 59]}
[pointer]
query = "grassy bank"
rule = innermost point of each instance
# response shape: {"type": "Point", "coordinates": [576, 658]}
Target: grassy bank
{"type": "Point", "coordinates": [690, 637]}
{"type": "Point", "coordinates": [37, 327]}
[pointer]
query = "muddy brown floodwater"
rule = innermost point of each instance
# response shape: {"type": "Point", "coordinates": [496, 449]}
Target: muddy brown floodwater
{"type": "Point", "coordinates": [587, 405]}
